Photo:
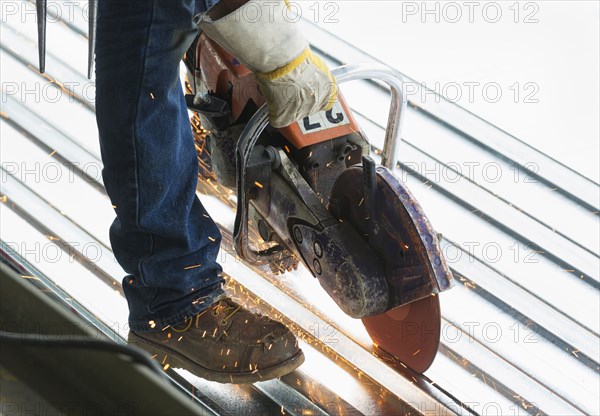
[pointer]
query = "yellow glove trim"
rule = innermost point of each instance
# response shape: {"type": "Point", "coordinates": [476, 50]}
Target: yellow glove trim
{"type": "Point", "coordinates": [284, 70]}
{"type": "Point", "coordinates": [318, 62]}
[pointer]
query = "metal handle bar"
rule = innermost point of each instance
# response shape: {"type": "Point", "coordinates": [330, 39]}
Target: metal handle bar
{"type": "Point", "coordinates": [354, 72]}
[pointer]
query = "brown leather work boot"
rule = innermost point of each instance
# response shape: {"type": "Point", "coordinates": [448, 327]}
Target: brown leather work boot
{"type": "Point", "coordinates": [225, 343]}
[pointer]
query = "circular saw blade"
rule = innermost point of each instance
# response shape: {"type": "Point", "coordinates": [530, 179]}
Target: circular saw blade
{"type": "Point", "coordinates": [410, 333]}
{"type": "Point", "coordinates": [407, 335]}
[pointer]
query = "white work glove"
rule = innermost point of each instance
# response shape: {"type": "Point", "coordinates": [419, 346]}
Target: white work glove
{"type": "Point", "coordinates": [295, 82]}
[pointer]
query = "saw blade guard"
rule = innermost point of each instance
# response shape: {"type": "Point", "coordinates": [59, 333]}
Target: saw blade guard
{"type": "Point", "coordinates": [396, 228]}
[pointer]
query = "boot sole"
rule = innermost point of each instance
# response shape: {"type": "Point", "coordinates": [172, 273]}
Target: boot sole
{"type": "Point", "coordinates": [177, 360]}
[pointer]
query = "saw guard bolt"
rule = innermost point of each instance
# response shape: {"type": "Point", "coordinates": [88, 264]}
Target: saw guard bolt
{"type": "Point", "coordinates": [317, 266]}
{"type": "Point", "coordinates": [318, 249]}
{"type": "Point", "coordinates": [298, 235]}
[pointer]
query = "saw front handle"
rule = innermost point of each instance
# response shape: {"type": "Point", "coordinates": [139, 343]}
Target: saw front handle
{"type": "Point", "coordinates": [260, 120]}
{"type": "Point", "coordinates": [398, 103]}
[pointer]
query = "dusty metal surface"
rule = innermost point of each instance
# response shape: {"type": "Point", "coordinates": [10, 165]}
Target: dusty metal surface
{"type": "Point", "coordinates": [520, 332]}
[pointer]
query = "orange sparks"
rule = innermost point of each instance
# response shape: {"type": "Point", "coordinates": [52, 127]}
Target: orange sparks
{"type": "Point", "coordinates": [416, 352]}
{"type": "Point", "coordinates": [195, 266]}
{"type": "Point", "coordinates": [212, 239]}
{"type": "Point", "coordinates": [287, 149]}
{"type": "Point", "coordinates": [258, 184]}
{"type": "Point", "coordinates": [152, 324]}
{"type": "Point", "coordinates": [166, 367]}
{"type": "Point", "coordinates": [152, 96]}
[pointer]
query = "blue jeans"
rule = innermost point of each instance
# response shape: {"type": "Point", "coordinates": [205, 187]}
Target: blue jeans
{"type": "Point", "coordinates": [162, 236]}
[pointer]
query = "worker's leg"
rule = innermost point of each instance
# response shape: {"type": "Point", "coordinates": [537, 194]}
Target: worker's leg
{"type": "Point", "coordinates": [162, 236]}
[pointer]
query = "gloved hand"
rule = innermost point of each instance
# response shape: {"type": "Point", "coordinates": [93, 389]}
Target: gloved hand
{"type": "Point", "coordinates": [294, 81]}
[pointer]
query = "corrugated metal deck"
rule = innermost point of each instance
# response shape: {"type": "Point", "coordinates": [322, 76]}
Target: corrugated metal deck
{"type": "Point", "coordinates": [521, 233]}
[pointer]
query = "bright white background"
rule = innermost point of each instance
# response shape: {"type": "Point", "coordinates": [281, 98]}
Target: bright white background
{"type": "Point", "coordinates": [469, 52]}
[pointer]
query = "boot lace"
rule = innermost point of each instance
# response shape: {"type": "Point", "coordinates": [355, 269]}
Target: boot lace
{"type": "Point", "coordinates": [225, 305]}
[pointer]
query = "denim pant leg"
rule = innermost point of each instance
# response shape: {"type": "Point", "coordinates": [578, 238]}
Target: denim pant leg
{"type": "Point", "coordinates": [162, 236]}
